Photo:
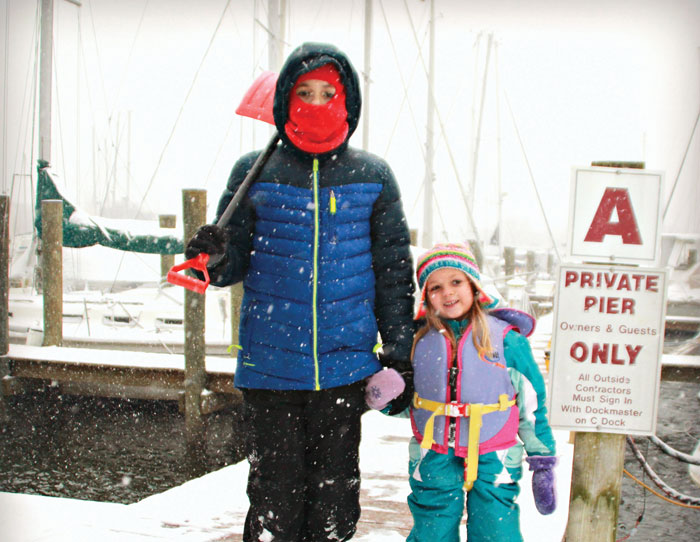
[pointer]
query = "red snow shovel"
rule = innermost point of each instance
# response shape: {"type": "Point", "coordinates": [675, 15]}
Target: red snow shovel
{"type": "Point", "coordinates": [256, 104]}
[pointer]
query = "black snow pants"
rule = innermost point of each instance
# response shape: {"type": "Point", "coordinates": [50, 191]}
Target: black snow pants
{"type": "Point", "coordinates": [303, 450]}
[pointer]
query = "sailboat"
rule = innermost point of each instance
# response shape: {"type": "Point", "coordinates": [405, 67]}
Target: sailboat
{"type": "Point", "coordinates": [147, 317]}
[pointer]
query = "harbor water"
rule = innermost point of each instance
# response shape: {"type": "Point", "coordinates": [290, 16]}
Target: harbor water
{"type": "Point", "coordinates": [110, 450]}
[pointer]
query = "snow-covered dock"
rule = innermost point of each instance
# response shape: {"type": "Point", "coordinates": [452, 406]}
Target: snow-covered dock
{"type": "Point", "coordinates": [115, 373]}
{"type": "Point", "coordinates": [212, 508]}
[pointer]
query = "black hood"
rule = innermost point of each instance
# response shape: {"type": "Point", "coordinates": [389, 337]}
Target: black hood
{"type": "Point", "coordinates": [305, 58]}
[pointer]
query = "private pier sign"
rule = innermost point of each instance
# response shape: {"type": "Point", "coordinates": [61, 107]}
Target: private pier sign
{"type": "Point", "coordinates": [610, 306]}
{"type": "Point", "coordinates": [607, 343]}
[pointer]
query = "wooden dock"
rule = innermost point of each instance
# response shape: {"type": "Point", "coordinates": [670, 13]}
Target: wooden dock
{"type": "Point", "coordinates": [114, 373]}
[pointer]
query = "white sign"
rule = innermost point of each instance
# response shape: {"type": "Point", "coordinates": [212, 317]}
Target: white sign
{"type": "Point", "coordinates": [607, 344]}
{"type": "Point", "coordinates": [615, 215]}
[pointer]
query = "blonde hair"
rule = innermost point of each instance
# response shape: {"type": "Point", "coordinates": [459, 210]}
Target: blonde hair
{"type": "Point", "coordinates": [480, 328]}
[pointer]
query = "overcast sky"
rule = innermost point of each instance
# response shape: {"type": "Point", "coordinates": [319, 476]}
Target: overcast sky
{"type": "Point", "coordinates": [581, 80]}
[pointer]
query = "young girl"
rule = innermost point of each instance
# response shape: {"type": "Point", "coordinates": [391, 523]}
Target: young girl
{"type": "Point", "coordinates": [479, 400]}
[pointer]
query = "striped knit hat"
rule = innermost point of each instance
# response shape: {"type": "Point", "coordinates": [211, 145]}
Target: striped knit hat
{"type": "Point", "coordinates": [450, 255]}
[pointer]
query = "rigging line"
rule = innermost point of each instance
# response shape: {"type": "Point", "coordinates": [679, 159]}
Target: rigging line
{"type": "Point", "coordinates": [128, 59]}
{"type": "Point", "coordinates": [182, 108]}
{"type": "Point", "coordinates": [403, 84]}
{"type": "Point", "coordinates": [659, 495]}
{"type": "Point", "coordinates": [686, 458]}
{"type": "Point", "coordinates": [447, 145]}
{"type": "Point", "coordinates": [442, 136]}
{"type": "Point", "coordinates": [269, 32]}
{"type": "Point", "coordinates": [35, 112]}
{"type": "Point", "coordinates": [532, 177]}
{"type": "Point", "coordinates": [58, 103]}
{"type": "Point", "coordinates": [694, 501]}
{"type": "Point", "coordinates": [477, 56]}
{"type": "Point", "coordinates": [455, 102]}
{"type": "Point", "coordinates": [218, 151]}
{"type": "Point", "coordinates": [350, 18]}
{"type": "Point", "coordinates": [640, 517]}
{"type": "Point", "coordinates": [442, 220]}
{"type": "Point", "coordinates": [316, 17]}
{"type": "Point", "coordinates": [421, 187]}
{"type": "Point", "coordinates": [91, 103]}
{"type": "Point", "coordinates": [404, 100]}
{"type": "Point", "coordinates": [30, 113]}
{"type": "Point", "coordinates": [104, 90]}
{"type": "Point", "coordinates": [675, 183]}
{"type": "Point", "coordinates": [97, 53]}
{"type": "Point", "coordinates": [437, 207]}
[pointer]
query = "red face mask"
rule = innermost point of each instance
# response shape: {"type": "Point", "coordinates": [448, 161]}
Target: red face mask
{"type": "Point", "coordinates": [318, 128]}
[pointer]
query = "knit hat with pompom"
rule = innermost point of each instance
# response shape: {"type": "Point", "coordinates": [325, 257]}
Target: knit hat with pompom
{"type": "Point", "coordinates": [454, 255]}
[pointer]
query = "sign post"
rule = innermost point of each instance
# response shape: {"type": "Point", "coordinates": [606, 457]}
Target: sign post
{"type": "Point", "coordinates": [608, 336]}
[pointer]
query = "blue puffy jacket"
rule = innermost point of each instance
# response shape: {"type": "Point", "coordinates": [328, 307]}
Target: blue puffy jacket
{"type": "Point", "coordinates": [322, 246]}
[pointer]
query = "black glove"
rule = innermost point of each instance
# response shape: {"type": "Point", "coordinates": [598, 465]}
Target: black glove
{"type": "Point", "coordinates": [209, 239]}
{"type": "Point", "coordinates": [403, 401]}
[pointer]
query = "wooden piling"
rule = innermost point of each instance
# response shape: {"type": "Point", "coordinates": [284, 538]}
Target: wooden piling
{"type": "Point", "coordinates": [4, 274]}
{"type": "Point", "coordinates": [236, 293]}
{"type": "Point", "coordinates": [413, 233]}
{"type": "Point", "coordinates": [478, 254]}
{"type": "Point", "coordinates": [596, 482]}
{"type": "Point", "coordinates": [166, 260]}
{"type": "Point", "coordinates": [531, 263]}
{"type": "Point", "coordinates": [509, 261]}
{"type": "Point", "coordinates": [4, 296]}
{"type": "Point", "coordinates": [194, 203]}
{"type": "Point", "coordinates": [52, 270]}
{"type": "Point", "coordinates": [550, 264]}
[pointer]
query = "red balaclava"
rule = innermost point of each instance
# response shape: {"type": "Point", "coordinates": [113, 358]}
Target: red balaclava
{"type": "Point", "coordinates": [318, 128]}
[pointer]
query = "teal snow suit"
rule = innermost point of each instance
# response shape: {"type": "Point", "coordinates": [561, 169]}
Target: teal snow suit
{"type": "Point", "coordinates": [437, 475]}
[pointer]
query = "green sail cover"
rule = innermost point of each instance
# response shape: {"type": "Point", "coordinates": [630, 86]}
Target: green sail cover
{"type": "Point", "coordinates": [83, 230]}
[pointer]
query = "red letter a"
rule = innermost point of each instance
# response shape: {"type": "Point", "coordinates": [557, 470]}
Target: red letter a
{"type": "Point", "coordinates": [614, 198]}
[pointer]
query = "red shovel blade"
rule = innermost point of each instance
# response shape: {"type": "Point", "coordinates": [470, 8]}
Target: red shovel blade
{"type": "Point", "coordinates": [257, 102]}
{"type": "Point", "coordinates": [191, 283]}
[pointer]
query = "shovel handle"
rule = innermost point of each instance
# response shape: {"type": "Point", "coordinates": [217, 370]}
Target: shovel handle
{"type": "Point", "coordinates": [198, 263]}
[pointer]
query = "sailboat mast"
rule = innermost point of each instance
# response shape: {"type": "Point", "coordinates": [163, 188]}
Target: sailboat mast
{"type": "Point", "coordinates": [499, 184]}
{"type": "Point", "coordinates": [477, 140]}
{"type": "Point", "coordinates": [427, 238]}
{"type": "Point", "coordinates": [366, 74]}
{"type": "Point", "coordinates": [45, 75]}
{"type": "Point", "coordinates": [276, 16]}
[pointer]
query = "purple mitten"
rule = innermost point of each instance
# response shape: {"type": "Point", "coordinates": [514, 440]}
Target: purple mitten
{"type": "Point", "coordinates": [543, 487]}
{"type": "Point", "coordinates": [383, 387]}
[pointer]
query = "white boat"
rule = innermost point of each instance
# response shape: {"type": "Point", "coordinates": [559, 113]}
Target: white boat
{"type": "Point", "coordinates": [145, 318]}
{"type": "Point", "coordinates": [680, 255]}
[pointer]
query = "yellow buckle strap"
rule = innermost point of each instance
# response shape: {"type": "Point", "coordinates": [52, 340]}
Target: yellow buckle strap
{"type": "Point", "coordinates": [472, 466]}
{"type": "Point", "coordinates": [475, 412]}
{"type": "Point", "coordinates": [436, 408]}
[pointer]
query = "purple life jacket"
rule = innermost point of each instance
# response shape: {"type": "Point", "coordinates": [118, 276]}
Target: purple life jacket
{"type": "Point", "coordinates": [478, 381]}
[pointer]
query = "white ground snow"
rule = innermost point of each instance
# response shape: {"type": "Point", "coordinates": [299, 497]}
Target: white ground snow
{"type": "Point", "coordinates": [213, 507]}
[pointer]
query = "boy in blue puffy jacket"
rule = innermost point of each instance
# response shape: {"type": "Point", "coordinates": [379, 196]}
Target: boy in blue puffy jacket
{"type": "Point", "coordinates": [322, 246]}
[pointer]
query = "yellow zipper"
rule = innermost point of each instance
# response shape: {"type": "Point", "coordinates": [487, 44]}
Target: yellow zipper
{"type": "Point", "coordinates": [315, 282]}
